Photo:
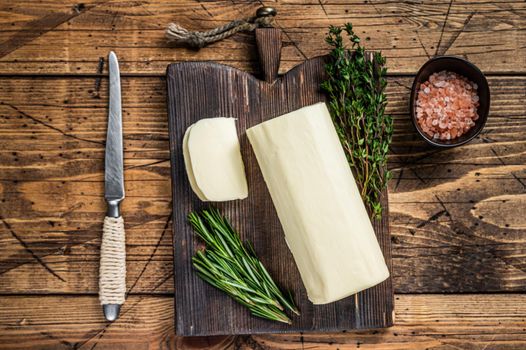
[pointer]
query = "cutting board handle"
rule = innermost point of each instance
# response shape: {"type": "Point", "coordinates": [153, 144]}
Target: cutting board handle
{"type": "Point", "coordinates": [268, 41]}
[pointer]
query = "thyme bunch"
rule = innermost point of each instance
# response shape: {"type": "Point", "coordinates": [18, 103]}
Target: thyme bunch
{"type": "Point", "coordinates": [356, 90]}
{"type": "Point", "coordinates": [233, 267]}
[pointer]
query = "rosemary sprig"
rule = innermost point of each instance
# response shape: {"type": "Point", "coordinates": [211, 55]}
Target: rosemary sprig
{"type": "Point", "coordinates": [356, 89]}
{"type": "Point", "coordinates": [234, 268]}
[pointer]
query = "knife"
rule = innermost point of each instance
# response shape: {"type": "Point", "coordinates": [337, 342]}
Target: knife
{"type": "Point", "coordinates": [112, 272]}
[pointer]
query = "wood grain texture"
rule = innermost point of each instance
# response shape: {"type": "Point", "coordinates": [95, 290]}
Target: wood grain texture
{"type": "Point", "coordinates": [53, 37]}
{"type": "Point", "coordinates": [433, 322]}
{"type": "Point", "coordinates": [201, 89]}
{"type": "Point", "coordinates": [269, 43]}
{"type": "Point", "coordinates": [42, 161]}
{"type": "Point", "coordinates": [473, 199]}
{"type": "Point", "coordinates": [51, 147]}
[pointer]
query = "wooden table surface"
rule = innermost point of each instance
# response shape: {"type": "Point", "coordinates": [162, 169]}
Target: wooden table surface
{"type": "Point", "coordinates": [458, 218]}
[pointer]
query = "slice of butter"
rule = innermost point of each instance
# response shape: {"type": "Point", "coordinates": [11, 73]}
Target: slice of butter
{"type": "Point", "coordinates": [188, 166]}
{"type": "Point", "coordinates": [326, 225]}
{"type": "Point", "coordinates": [213, 160]}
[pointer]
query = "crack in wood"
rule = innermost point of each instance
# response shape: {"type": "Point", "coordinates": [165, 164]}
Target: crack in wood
{"type": "Point", "coordinates": [323, 8]}
{"type": "Point", "coordinates": [58, 339]}
{"type": "Point", "coordinates": [402, 85]}
{"type": "Point", "coordinates": [12, 267]}
{"type": "Point", "coordinates": [162, 281]}
{"type": "Point", "coordinates": [206, 10]}
{"type": "Point", "coordinates": [76, 244]}
{"type": "Point", "coordinates": [433, 217]}
{"type": "Point", "coordinates": [398, 180]}
{"type": "Point", "coordinates": [123, 313]}
{"type": "Point", "coordinates": [292, 42]}
{"type": "Point", "coordinates": [452, 40]}
{"type": "Point", "coordinates": [504, 8]}
{"type": "Point", "coordinates": [38, 121]}
{"type": "Point", "coordinates": [443, 27]}
{"type": "Point", "coordinates": [447, 213]}
{"type": "Point", "coordinates": [147, 164]}
{"type": "Point", "coordinates": [376, 9]}
{"type": "Point", "coordinates": [496, 155]}
{"type": "Point", "coordinates": [409, 151]}
{"type": "Point", "coordinates": [98, 339]}
{"type": "Point", "coordinates": [90, 177]}
{"type": "Point", "coordinates": [413, 170]}
{"type": "Point", "coordinates": [102, 330]}
{"type": "Point", "coordinates": [487, 139]}
{"type": "Point", "coordinates": [418, 160]}
{"type": "Point", "coordinates": [444, 163]}
{"type": "Point", "coordinates": [455, 225]}
{"type": "Point", "coordinates": [487, 247]}
{"type": "Point", "coordinates": [490, 342]}
{"type": "Point", "coordinates": [519, 180]}
{"type": "Point", "coordinates": [29, 250]}
{"type": "Point", "coordinates": [422, 45]}
{"type": "Point", "coordinates": [165, 229]}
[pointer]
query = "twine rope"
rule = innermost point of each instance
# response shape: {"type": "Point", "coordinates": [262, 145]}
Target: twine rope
{"type": "Point", "coordinates": [112, 272]}
{"type": "Point", "coordinates": [180, 35]}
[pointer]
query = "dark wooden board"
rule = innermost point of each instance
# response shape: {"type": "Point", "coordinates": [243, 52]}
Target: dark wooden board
{"type": "Point", "coordinates": [205, 89]}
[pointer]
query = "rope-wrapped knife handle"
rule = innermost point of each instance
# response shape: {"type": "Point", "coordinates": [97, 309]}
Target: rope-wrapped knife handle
{"type": "Point", "coordinates": [112, 273]}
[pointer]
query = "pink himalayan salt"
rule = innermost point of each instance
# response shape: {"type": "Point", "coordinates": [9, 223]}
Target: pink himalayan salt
{"type": "Point", "coordinates": [446, 106]}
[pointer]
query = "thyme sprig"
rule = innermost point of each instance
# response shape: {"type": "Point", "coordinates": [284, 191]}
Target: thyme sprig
{"type": "Point", "coordinates": [233, 267]}
{"type": "Point", "coordinates": [356, 90]}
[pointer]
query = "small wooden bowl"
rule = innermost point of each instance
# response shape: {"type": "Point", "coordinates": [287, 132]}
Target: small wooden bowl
{"type": "Point", "coordinates": [461, 67]}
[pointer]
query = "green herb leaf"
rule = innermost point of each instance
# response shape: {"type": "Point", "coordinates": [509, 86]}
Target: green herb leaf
{"type": "Point", "coordinates": [233, 267]}
{"type": "Point", "coordinates": [356, 98]}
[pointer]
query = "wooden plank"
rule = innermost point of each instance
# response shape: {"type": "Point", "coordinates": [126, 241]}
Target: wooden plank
{"type": "Point", "coordinates": [52, 132]}
{"type": "Point", "coordinates": [222, 91]}
{"type": "Point", "coordinates": [51, 190]}
{"type": "Point", "coordinates": [465, 203]}
{"type": "Point", "coordinates": [66, 37]}
{"type": "Point", "coordinates": [433, 322]}
{"type": "Point", "coordinates": [77, 323]}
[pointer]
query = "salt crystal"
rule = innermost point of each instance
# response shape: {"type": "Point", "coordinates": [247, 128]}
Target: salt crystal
{"type": "Point", "coordinates": [429, 122]}
{"type": "Point", "coordinates": [447, 105]}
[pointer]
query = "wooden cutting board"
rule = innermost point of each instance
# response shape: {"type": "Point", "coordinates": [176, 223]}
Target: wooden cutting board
{"type": "Point", "coordinates": [205, 89]}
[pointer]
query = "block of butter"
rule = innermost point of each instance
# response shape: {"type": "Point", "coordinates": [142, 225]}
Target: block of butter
{"type": "Point", "coordinates": [213, 160]}
{"type": "Point", "coordinates": [325, 222]}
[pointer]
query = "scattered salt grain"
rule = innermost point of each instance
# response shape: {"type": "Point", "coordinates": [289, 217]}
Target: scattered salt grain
{"type": "Point", "coordinates": [447, 105]}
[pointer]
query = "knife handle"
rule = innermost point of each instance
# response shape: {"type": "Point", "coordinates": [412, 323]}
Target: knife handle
{"type": "Point", "coordinates": [112, 272]}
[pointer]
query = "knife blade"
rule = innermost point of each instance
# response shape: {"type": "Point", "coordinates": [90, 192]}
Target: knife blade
{"type": "Point", "coordinates": [112, 273]}
{"type": "Point", "coordinates": [113, 160]}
